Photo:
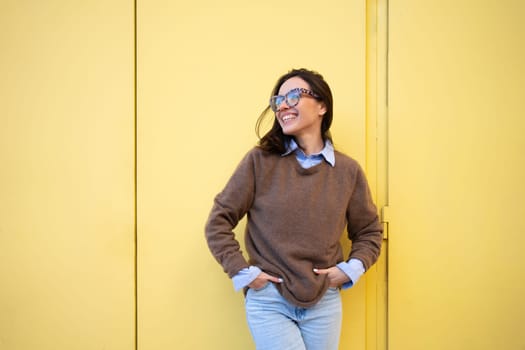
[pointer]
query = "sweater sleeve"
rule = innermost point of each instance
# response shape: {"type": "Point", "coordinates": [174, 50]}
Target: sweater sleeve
{"type": "Point", "coordinates": [229, 207]}
{"type": "Point", "coordinates": [364, 228]}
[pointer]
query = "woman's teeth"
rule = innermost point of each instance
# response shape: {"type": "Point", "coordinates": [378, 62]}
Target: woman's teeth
{"type": "Point", "coordinates": [288, 117]}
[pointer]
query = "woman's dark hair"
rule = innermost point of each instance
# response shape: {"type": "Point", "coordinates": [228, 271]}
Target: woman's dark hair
{"type": "Point", "coordinates": [275, 140]}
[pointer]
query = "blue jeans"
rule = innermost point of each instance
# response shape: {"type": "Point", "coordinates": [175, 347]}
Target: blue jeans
{"type": "Point", "coordinates": [276, 324]}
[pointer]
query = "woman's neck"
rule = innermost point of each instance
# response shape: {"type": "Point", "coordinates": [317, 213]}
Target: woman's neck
{"type": "Point", "coordinates": [310, 145]}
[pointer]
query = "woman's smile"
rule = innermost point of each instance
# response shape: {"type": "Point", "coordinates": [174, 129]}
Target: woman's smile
{"type": "Point", "coordinates": [288, 117]}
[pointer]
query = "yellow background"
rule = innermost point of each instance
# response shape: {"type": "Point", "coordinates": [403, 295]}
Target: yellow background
{"type": "Point", "coordinates": [66, 175]}
{"type": "Point", "coordinates": [456, 171]}
{"type": "Point", "coordinates": [427, 98]}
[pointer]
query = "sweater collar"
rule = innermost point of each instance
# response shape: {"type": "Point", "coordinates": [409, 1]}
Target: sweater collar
{"type": "Point", "coordinates": [327, 153]}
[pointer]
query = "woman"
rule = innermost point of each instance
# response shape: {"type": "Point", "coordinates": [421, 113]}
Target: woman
{"type": "Point", "coordinates": [299, 195]}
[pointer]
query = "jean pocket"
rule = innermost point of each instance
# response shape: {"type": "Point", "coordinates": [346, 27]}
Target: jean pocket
{"type": "Point", "coordinates": [262, 288]}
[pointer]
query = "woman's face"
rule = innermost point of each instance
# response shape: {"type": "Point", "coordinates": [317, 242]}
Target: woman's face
{"type": "Point", "coordinates": [304, 119]}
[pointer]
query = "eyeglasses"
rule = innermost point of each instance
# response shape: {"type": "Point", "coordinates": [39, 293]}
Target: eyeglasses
{"type": "Point", "coordinates": [291, 98]}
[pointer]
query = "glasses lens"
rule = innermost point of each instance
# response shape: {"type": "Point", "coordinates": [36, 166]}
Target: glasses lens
{"type": "Point", "coordinates": [275, 102]}
{"type": "Point", "coordinates": [292, 98]}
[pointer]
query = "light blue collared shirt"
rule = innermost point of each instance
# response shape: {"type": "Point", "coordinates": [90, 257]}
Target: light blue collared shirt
{"type": "Point", "coordinates": [327, 154]}
{"type": "Point", "coordinates": [354, 268]}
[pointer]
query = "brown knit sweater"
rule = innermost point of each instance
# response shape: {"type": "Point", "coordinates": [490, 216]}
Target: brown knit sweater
{"type": "Point", "coordinates": [296, 217]}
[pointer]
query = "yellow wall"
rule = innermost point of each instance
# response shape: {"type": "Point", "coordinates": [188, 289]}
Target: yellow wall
{"type": "Point", "coordinates": [452, 178]}
{"type": "Point", "coordinates": [456, 167]}
{"type": "Point", "coordinates": [66, 175]}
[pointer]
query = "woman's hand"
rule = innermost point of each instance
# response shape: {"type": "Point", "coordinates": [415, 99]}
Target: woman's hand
{"type": "Point", "coordinates": [261, 280]}
{"type": "Point", "coordinates": [336, 276]}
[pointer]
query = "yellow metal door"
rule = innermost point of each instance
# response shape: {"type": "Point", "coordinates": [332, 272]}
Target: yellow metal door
{"type": "Point", "coordinates": [66, 175]}
{"type": "Point", "coordinates": [205, 70]}
{"type": "Point", "coordinates": [456, 175]}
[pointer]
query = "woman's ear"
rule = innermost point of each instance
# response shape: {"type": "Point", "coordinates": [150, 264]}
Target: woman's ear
{"type": "Point", "coordinates": [322, 108]}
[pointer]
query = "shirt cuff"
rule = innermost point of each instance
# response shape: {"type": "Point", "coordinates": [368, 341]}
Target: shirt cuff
{"type": "Point", "coordinates": [245, 277]}
{"type": "Point", "coordinates": [354, 269]}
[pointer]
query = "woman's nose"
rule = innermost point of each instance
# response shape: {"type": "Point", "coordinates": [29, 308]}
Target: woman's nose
{"type": "Point", "coordinates": [283, 105]}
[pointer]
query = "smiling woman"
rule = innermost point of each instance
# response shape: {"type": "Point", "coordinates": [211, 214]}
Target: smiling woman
{"type": "Point", "coordinates": [292, 299]}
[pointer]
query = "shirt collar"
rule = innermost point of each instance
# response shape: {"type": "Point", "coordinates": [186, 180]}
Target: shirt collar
{"type": "Point", "coordinates": [327, 152]}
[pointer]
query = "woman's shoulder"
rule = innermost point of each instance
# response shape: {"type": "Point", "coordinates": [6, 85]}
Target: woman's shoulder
{"type": "Point", "coordinates": [257, 155]}
{"type": "Point", "coordinates": [257, 152]}
{"type": "Point", "coordinates": [345, 160]}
